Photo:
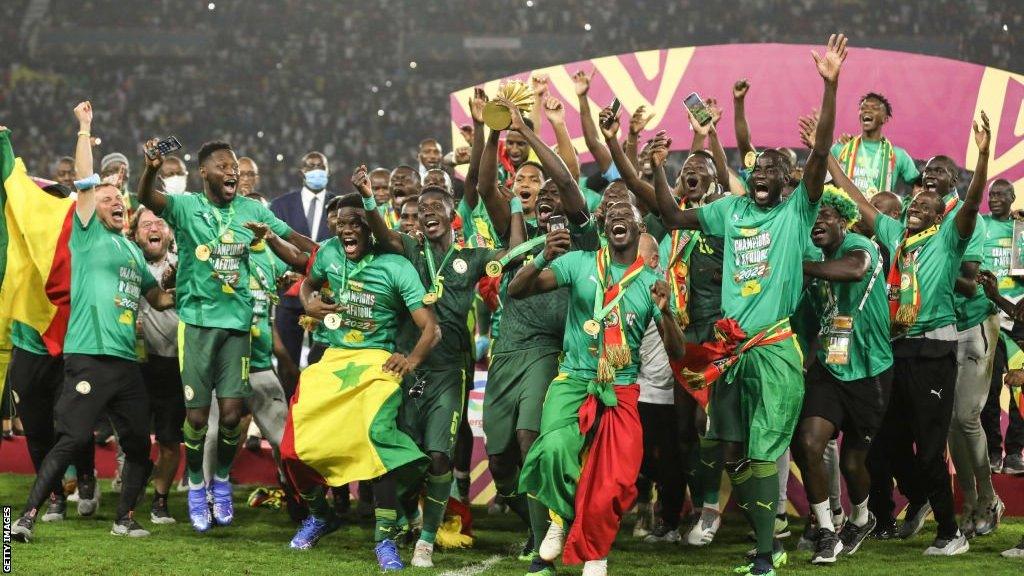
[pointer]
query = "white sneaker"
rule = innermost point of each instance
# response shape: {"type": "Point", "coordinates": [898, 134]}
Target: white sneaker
{"type": "Point", "coordinates": [88, 506]}
{"type": "Point", "coordinates": [423, 555]}
{"type": "Point", "coordinates": [73, 497]}
{"type": "Point", "coordinates": [551, 546]}
{"type": "Point", "coordinates": [942, 547]}
{"type": "Point", "coordinates": [596, 567]}
{"type": "Point", "coordinates": [703, 532]}
{"type": "Point", "coordinates": [986, 522]}
{"type": "Point", "coordinates": [1015, 552]}
{"type": "Point", "coordinates": [644, 521]}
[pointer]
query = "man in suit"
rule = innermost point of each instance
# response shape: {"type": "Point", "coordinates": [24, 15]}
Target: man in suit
{"type": "Point", "coordinates": [303, 210]}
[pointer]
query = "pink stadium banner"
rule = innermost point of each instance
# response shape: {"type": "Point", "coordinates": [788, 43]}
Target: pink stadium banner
{"type": "Point", "coordinates": [933, 99]}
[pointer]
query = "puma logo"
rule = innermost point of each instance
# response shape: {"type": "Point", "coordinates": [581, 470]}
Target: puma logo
{"type": "Point", "coordinates": [770, 506]}
{"type": "Point", "coordinates": [937, 393]}
{"type": "Point", "coordinates": [743, 506]}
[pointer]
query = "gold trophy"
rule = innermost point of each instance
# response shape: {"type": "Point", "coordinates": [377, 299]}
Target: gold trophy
{"type": "Point", "coordinates": [497, 116]}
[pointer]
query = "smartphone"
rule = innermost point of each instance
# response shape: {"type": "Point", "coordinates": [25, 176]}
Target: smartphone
{"type": "Point", "coordinates": [615, 105]}
{"type": "Point", "coordinates": [698, 108]}
{"type": "Point", "coordinates": [557, 222]}
{"type": "Point", "coordinates": [165, 146]}
{"type": "Point", "coordinates": [327, 300]}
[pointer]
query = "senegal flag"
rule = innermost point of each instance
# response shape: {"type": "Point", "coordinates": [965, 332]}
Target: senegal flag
{"type": "Point", "coordinates": [35, 264]}
{"type": "Point", "coordinates": [343, 420]}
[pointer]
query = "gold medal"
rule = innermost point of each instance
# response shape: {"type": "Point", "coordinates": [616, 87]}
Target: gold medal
{"type": "Point", "coordinates": [872, 191]}
{"type": "Point", "coordinates": [493, 268]}
{"type": "Point", "coordinates": [749, 158]}
{"type": "Point", "coordinates": [592, 327]}
{"type": "Point", "coordinates": [203, 252]}
{"type": "Point", "coordinates": [332, 321]}
{"type": "Point", "coordinates": [227, 238]}
{"type": "Point", "coordinates": [430, 298]}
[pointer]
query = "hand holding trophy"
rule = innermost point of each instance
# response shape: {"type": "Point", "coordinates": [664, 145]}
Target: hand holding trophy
{"type": "Point", "coordinates": [496, 115]}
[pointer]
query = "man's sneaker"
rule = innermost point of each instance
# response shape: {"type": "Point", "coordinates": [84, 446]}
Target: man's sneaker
{"type": "Point", "coordinates": [986, 522]}
{"type": "Point", "coordinates": [703, 532]}
{"type": "Point", "coordinates": [199, 509]}
{"type": "Point", "coordinates": [88, 496]}
{"type": "Point", "coordinates": [223, 507]}
{"type": "Point", "coordinates": [913, 521]}
{"type": "Point", "coordinates": [852, 536]}
{"type": "Point", "coordinates": [127, 526]}
{"type": "Point", "coordinates": [779, 557]}
{"type": "Point", "coordinates": [311, 531]}
{"type": "Point", "coordinates": [387, 556]}
{"type": "Point", "coordinates": [551, 546]}
{"type": "Point", "coordinates": [1015, 552]}
{"type": "Point", "coordinates": [827, 547]}
{"type": "Point", "coordinates": [995, 463]}
{"type": "Point", "coordinates": [885, 530]}
{"type": "Point", "coordinates": [596, 567]}
{"type": "Point", "coordinates": [22, 529]}
{"type": "Point", "coordinates": [497, 505]}
{"type": "Point", "coordinates": [540, 567]}
{"type": "Point", "coordinates": [423, 555]}
{"type": "Point", "coordinates": [56, 510]}
{"type": "Point", "coordinates": [529, 550]}
{"type": "Point", "coordinates": [948, 546]}
{"type": "Point", "coordinates": [968, 523]}
{"type": "Point", "coordinates": [662, 533]}
{"type": "Point", "coordinates": [644, 521]}
{"type": "Point", "coordinates": [159, 514]}
{"type": "Point", "coordinates": [808, 538]}
{"type": "Point", "coordinates": [1013, 465]}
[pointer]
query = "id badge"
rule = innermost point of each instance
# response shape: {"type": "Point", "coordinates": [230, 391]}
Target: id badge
{"type": "Point", "coordinates": [839, 341]}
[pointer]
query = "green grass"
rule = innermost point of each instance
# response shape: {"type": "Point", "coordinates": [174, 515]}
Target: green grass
{"type": "Point", "coordinates": [257, 544]}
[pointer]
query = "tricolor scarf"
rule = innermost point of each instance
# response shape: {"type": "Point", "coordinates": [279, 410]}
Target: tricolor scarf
{"type": "Point", "coordinates": [848, 157]}
{"type": "Point", "coordinates": [390, 218]}
{"type": "Point", "coordinates": [678, 272]}
{"type": "Point", "coordinates": [904, 288]}
{"type": "Point", "coordinates": [615, 352]}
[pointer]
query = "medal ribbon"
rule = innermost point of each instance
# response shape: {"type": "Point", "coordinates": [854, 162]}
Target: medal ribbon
{"type": "Point", "coordinates": [521, 249]}
{"type": "Point", "coordinates": [436, 280]}
{"type": "Point", "coordinates": [390, 218]}
{"type": "Point", "coordinates": [346, 275]}
{"type": "Point", "coordinates": [905, 301]}
{"type": "Point", "coordinates": [221, 226]}
{"type": "Point", "coordinates": [614, 348]}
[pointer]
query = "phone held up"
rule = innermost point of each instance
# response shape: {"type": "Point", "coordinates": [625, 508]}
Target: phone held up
{"type": "Point", "coordinates": [165, 147]}
{"type": "Point", "coordinates": [615, 105]}
{"type": "Point", "coordinates": [557, 222]}
{"type": "Point", "coordinates": [698, 108]}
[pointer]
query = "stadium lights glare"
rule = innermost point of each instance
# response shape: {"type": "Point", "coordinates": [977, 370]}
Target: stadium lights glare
{"type": "Point", "coordinates": [529, 3]}
{"type": "Point", "coordinates": [388, 83]}
{"type": "Point", "coordinates": [259, 134]}
{"type": "Point", "coordinates": [211, 6]}
{"type": "Point", "coordinates": [98, 140]}
{"type": "Point", "coordinates": [1006, 28]}
{"type": "Point", "coordinates": [280, 157]}
{"type": "Point", "coordinates": [587, 26]}
{"type": "Point", "coordinates": [412, 64]}
{"type": "Point", "coordinates": [374, 89]}
{"type": "Point", "coordinates": [380, 112]}
{"type": "Point", "coordinates": [188, 157]}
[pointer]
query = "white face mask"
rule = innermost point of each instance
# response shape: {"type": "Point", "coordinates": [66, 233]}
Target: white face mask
{"type": "Point", "coordinates": [175, 184]}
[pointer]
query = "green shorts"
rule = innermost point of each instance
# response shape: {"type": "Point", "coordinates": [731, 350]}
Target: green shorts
{"type": "Point", "coordinates": [433, 419]}
{"type": "Point", "coordinates": [516, 385]}
{"type": "Point", "coordinates": [213, 359]}
{"type": "Point", "coordinates": [758, 401]}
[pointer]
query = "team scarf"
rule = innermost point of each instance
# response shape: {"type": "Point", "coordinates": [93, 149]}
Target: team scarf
{"type": "Point", "coordinates": [904, 288]}
{"type": "Point", "coordinates": [848, 156]}
{"type": "Point", "coordinates": [390, 218]}
{"type": "Point", "coordinates": [678, 272]}
{"type": "Point", "coordinates": [615, 352]}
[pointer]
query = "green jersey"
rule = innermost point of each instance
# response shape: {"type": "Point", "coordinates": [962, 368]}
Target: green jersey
{"type": "Point", "coordinates": [373, 293]}
{"type": "Point", "coordinates": [998, 242]}
{"type": "Point", "coordinates": [762, 272]}
{"type": "Point", "coordinates": [266, 269]}
{"type": "Point", "coordinates": [28, 339]}
{"type": "Point", "coordinates": [974, 310]}
{"type": "Point", "coordinates": [477, 228]}
{"type": "Point", "coordinates": [213, 258]}
{"type": "Point", "coordinates": [938, 266]}
{"type": "Point", "coordinates": [866, 302]}
{"type": "Point", "coordinates": [461, 269]}
{"type": "Point", "coordinates": [108, 276]}
{"type": "Point", "coordinates": [877, 168]}
{"type": "Point", "coordinates": [655, 227]}
{"type": "Point", "coordinates": [577, 271]}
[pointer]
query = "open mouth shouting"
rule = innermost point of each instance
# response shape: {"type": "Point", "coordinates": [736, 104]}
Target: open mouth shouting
{"type": "Point", "coordinates": [930, 184]}
{"type": "Point", "coordinates": [230, 186]}
{"type": "Point", "coordinates": [432, 226]}
{"type": "Point", "coordinates": [818, 234]}
{"type": "Point", "coordinates": [867, 120]}
{"type": "Point", "coordinates": [619, 232]}
{"type": "Point", "coordinates": [761, 191]}
{"type": "Point", "coordinates": [351, 245]}
{"type": "Point", "coordinates": [154, 240]}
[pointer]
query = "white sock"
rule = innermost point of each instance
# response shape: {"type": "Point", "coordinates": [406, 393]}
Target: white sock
{"type": "Point", "coordinates": [710, 506]}
{"type": "Point", "coordinates": [823, 514]}
{"type": "Point", "coordinates": [192, 486]}
{"type": "Point", "coordinates": [859, 514]}
{"type": "Point", "coordinates": [219, 479]}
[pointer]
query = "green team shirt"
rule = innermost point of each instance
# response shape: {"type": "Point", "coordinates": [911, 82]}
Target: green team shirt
{"type": "Point", "coordinates": [869, 166]}
{"type": "Point", "coordinates": [108, 276]}
{"type": "Point", "coordinates": [869, 349]}
{"type": "Point", "coordinates": [522, 327]}
{"type": "Point", "coordinates": [477, 228]}
{"type": "Point", "coordinates": [704, 301]}
{"type": "Point", "coordinates": [374, 299]}
{"type": "Point", "coordinates": [762, 271]}
{"type": "Point", "coordinates": [461, 272]}
{"type": "Point", "coordinates": [266, 269]}
{"type": "Point", "coordinates": [938, 266]}
{"type": "Point", "coordinates": [655, 227]}
{"type": "Point", "coordinates": [215, 293]}
{"type": "Point", "coordinates": [577, 271]}
{"type": "Point", "coordinates": [998, 242]}
{"type": "Point", "coordinates": [27, 338]}
{"type": "Point", "coordinates": [973, 311]}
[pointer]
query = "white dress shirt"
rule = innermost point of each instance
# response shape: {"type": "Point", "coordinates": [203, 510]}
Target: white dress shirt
{"type": "Point", "coordinates": [655, 377]}
{"type": "Point", "coordinates": [307, 197]}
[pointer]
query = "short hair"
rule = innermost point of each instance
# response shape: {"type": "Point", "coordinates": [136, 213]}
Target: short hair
{"type": "Point", "coordinates": [349, 200]}
{"type": "Point", "coordinates": [842, 203]}
{"type": "Point", "coordinates": [405, 167]}
{"type": "Point", "coordinates": [209, 148]}
{"type": "Point", "coordinates": [427, 141]}
{"type": "Point", "coordinates": [378, 170]}
{"type": "Point", "coordinates": [314, 153]}
{"type": "Point", "coordinates": [1002, 182]}
{"type": "Point", "coordinates": [535, 165]}
{"type": "Point", "coordinates": [880, 98]}
{"type": "Point", "coordinates": [334, 203]}
{"type": "Point", "coordinates": [67, 159]}
{"type": "Point", "coordinates": [133, 224]}
{"type": "Point", "coordinates": [437, 190]}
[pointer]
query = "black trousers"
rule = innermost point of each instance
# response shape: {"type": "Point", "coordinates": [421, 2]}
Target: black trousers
{"type": "Point", "coordinates": [911, 444]}
{"type": "Point", "coordinates": [662, 463]}
{"type": "Point", "coordinates": [35, 381]}
{"type": "Point", "coordinates": [992, 413]}
{"type": "Point", "coordinates": [92, 384]}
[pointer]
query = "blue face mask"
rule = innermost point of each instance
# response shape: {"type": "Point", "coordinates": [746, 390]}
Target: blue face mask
{"type": "Point", "coordinates": [316, 180]}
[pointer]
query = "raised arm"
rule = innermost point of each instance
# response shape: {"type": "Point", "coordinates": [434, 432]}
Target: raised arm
{"type": "Point", "coordinates": [644, 190]}
{"type": "Point", "coordinates": [476, 108]}
{"type": "Point", "coordinates": [285, 250]}
{"type": "Point", "coordinates": [671, 215]}
{"type": "Point", "coordinates": [721, 162]}
{"type": "Point", "coordinates": [148, 194]}
{"type": "Point", "coordinates": [539, 86]}
{"type": "Point", "coordinates": [868, 213]}
{"type": "Point", "coordinates": [388, 239]}
{"type": "Point", "coordinates": [83, 146]}
{"type": "Point", "coordinates": [554, 111]}
{"type": "Point", "coordinates": [828, 67]}
{"type": "Point", "coordinates": [739, 96]}
{"type": "Point", "coordinates": [497, 207]}
{"type": "Point", "coordinates": [637, 122]}
{"type": "Point", "coordinates": [535, 277]}
{"type": "Point", "coordinates": [968, 214]}
{"type": "Point", "coordinates": [590, 133]}
{"type": "Point", "coordinates": [852, 267]}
